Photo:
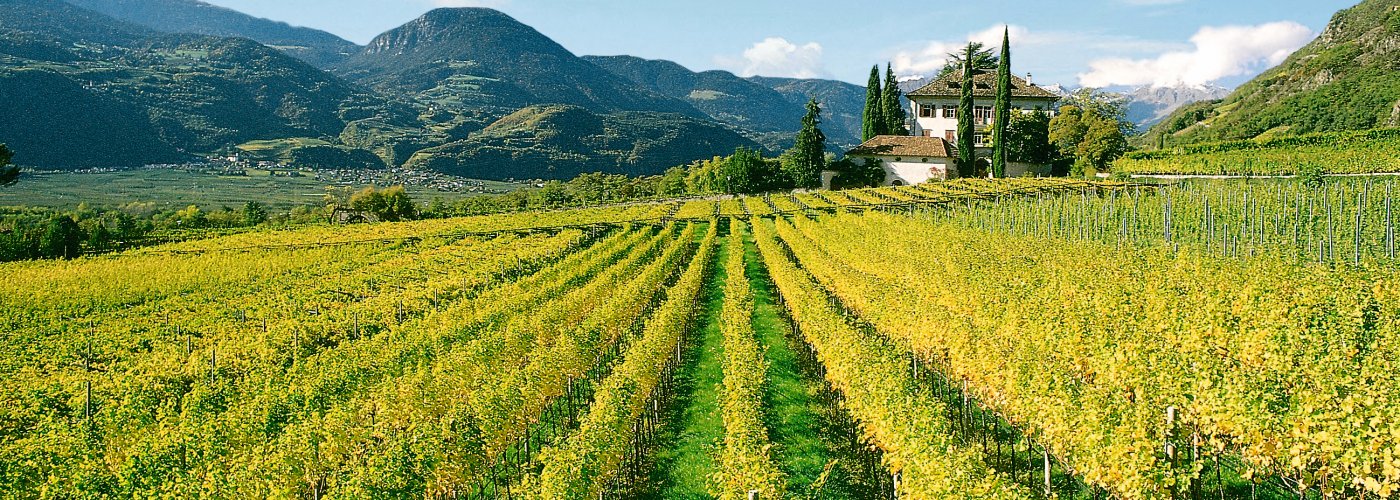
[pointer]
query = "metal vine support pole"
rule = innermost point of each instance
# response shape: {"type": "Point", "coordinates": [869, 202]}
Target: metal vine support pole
{"type": "Point", "coordinates": [1331, 246]}
{"type": "Point", "coordinates": [1356, 236]}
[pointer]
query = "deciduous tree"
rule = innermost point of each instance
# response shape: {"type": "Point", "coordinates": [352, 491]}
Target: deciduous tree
{"type": "Point", "coordinates": [392, 204]}
{"type": "Point", "coordinates": [63, 237]}
{"type": "Point", "coordinates": [1028, 138]}
{"type": "Point", "coordinates": [254, 213]}
{"type": "Point", "coordinates": [1089, 136]}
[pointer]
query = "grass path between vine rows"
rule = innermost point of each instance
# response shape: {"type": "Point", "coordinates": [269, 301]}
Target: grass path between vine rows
{"type": "Point", "coordinates": [685, 457]}
{"type": "Point", "coordinates": [797, 419]}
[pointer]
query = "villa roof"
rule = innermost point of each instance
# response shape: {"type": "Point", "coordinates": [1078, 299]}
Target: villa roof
{"type": "Point", "coordinates": [984, 85]}
{"type": "Point", "coordinates": [904, 145]}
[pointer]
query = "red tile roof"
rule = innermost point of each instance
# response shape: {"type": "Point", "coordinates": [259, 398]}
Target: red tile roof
{"type": "Point", "coordinates": [984, 84]}
{"type": "Point", "coordinates": [904, 145]}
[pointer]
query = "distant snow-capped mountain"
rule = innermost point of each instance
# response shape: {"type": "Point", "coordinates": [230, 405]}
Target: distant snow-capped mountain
{"type": "Point", "coordinates": [1149, 105]}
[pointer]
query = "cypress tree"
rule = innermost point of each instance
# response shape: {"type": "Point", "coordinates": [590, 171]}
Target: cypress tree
{"type": "Point", "coordinates": [873, 121]}
{"type": "Point", "coordinates": [967, 152]}
{"type": "Point", "coordinates": [1003, 110]}
{"type": "Point", "coordinates": [894, 105]}
{"type": "Point", "coordinates": [808, 156]}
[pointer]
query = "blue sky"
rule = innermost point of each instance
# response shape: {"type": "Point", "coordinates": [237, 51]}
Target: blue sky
{"type": "Point", "coordinates": [1102, 43]}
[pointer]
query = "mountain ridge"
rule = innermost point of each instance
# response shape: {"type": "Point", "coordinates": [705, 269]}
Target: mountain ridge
{"type": "Point", "coordinates": [317, 47]}
{"type": "Point", "coordinates": [761, 112]}
{"type": "Point", "coordinates": [490, 60]}
{"type": "Point", "coordinates": [140, 96]}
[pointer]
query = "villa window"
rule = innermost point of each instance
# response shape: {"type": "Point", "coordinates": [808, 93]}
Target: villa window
{"type": "Point", "coordinates": [950, 111]}
{"type": "Point", "coordinates": [982, 114]}
{"type": "Point", "coordinates": [926, 111]}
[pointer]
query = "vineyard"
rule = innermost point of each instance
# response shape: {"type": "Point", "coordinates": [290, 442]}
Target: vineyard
{"type": "Point", "coordinates": [1365, 152]}
{"type": "Point", "coordinates": [1017, 339]}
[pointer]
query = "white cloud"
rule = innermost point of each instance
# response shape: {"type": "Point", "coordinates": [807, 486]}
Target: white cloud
{"type": "Point", "coordinates": [1218, 52]}
{"type": "Point", "coordinates": [929, 58]}
{"type": "Point", "coordinates": [776, 56]}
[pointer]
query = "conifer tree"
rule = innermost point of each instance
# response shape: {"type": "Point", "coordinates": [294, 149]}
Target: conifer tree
{"type": "Point", "coordinates": [894, 105]}
{"type": "Point", "coordinates": [967, 153]}
{"type": "Point", "coordinates": [807, 158]}
{"type": "Point", "coordinates": [873, 121]}
{"type": "Point", "coordinates": [1003, 107]}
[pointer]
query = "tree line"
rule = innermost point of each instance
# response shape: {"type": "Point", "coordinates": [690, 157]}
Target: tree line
{"type": "Point", "coordinates": [746, 171]}
{"type": "Point", "coordinates": [30, 233]}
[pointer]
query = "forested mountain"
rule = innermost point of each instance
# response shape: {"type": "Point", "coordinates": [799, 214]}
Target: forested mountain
{"type": "Point", "coordinates": [562, 141]}
{"type": "Point", "coordinates": [194, 16]}
{"type": "Point", "coordinates": [1346, 79]}
{"type": "Point", "coordinates": [85, 90]}
{"type": "Point", "coordinates": [482, 59]}
{"type": "Point", "coordinates": [765, 114]}
{"type": "Point", "coordinates": [842, 104]}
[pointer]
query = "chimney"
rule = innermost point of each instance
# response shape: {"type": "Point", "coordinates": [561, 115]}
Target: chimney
{"type": "Point", "coordinates": [1028, 79]}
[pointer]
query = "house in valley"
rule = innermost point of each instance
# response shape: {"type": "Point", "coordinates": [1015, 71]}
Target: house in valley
{"type": "Point", "coordinates": [929, 152]}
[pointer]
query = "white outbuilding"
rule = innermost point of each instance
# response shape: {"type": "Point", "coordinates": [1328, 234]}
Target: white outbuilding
{"type": "Point", "coordinates": [910, 160]}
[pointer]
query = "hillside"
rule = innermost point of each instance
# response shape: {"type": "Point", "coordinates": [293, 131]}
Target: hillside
{"type": "Point", "coordinates": [842, 104]}
{"type": "Point", "coordinates": [473, 59]}
{"type": "Point", "coordinates": [194, 16]}
{"type": "Point", "coordinates": [562, 141]}
{"type": "Point", "coordinates": [764, 113]}
{"type": "Point", "coordinates": [1346, 79]}
{"type": "Point", "coordinates": [142, 97]}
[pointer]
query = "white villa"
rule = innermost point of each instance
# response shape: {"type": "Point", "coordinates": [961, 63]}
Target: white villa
{"type": "Point", "coordinates": [928, 153]}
